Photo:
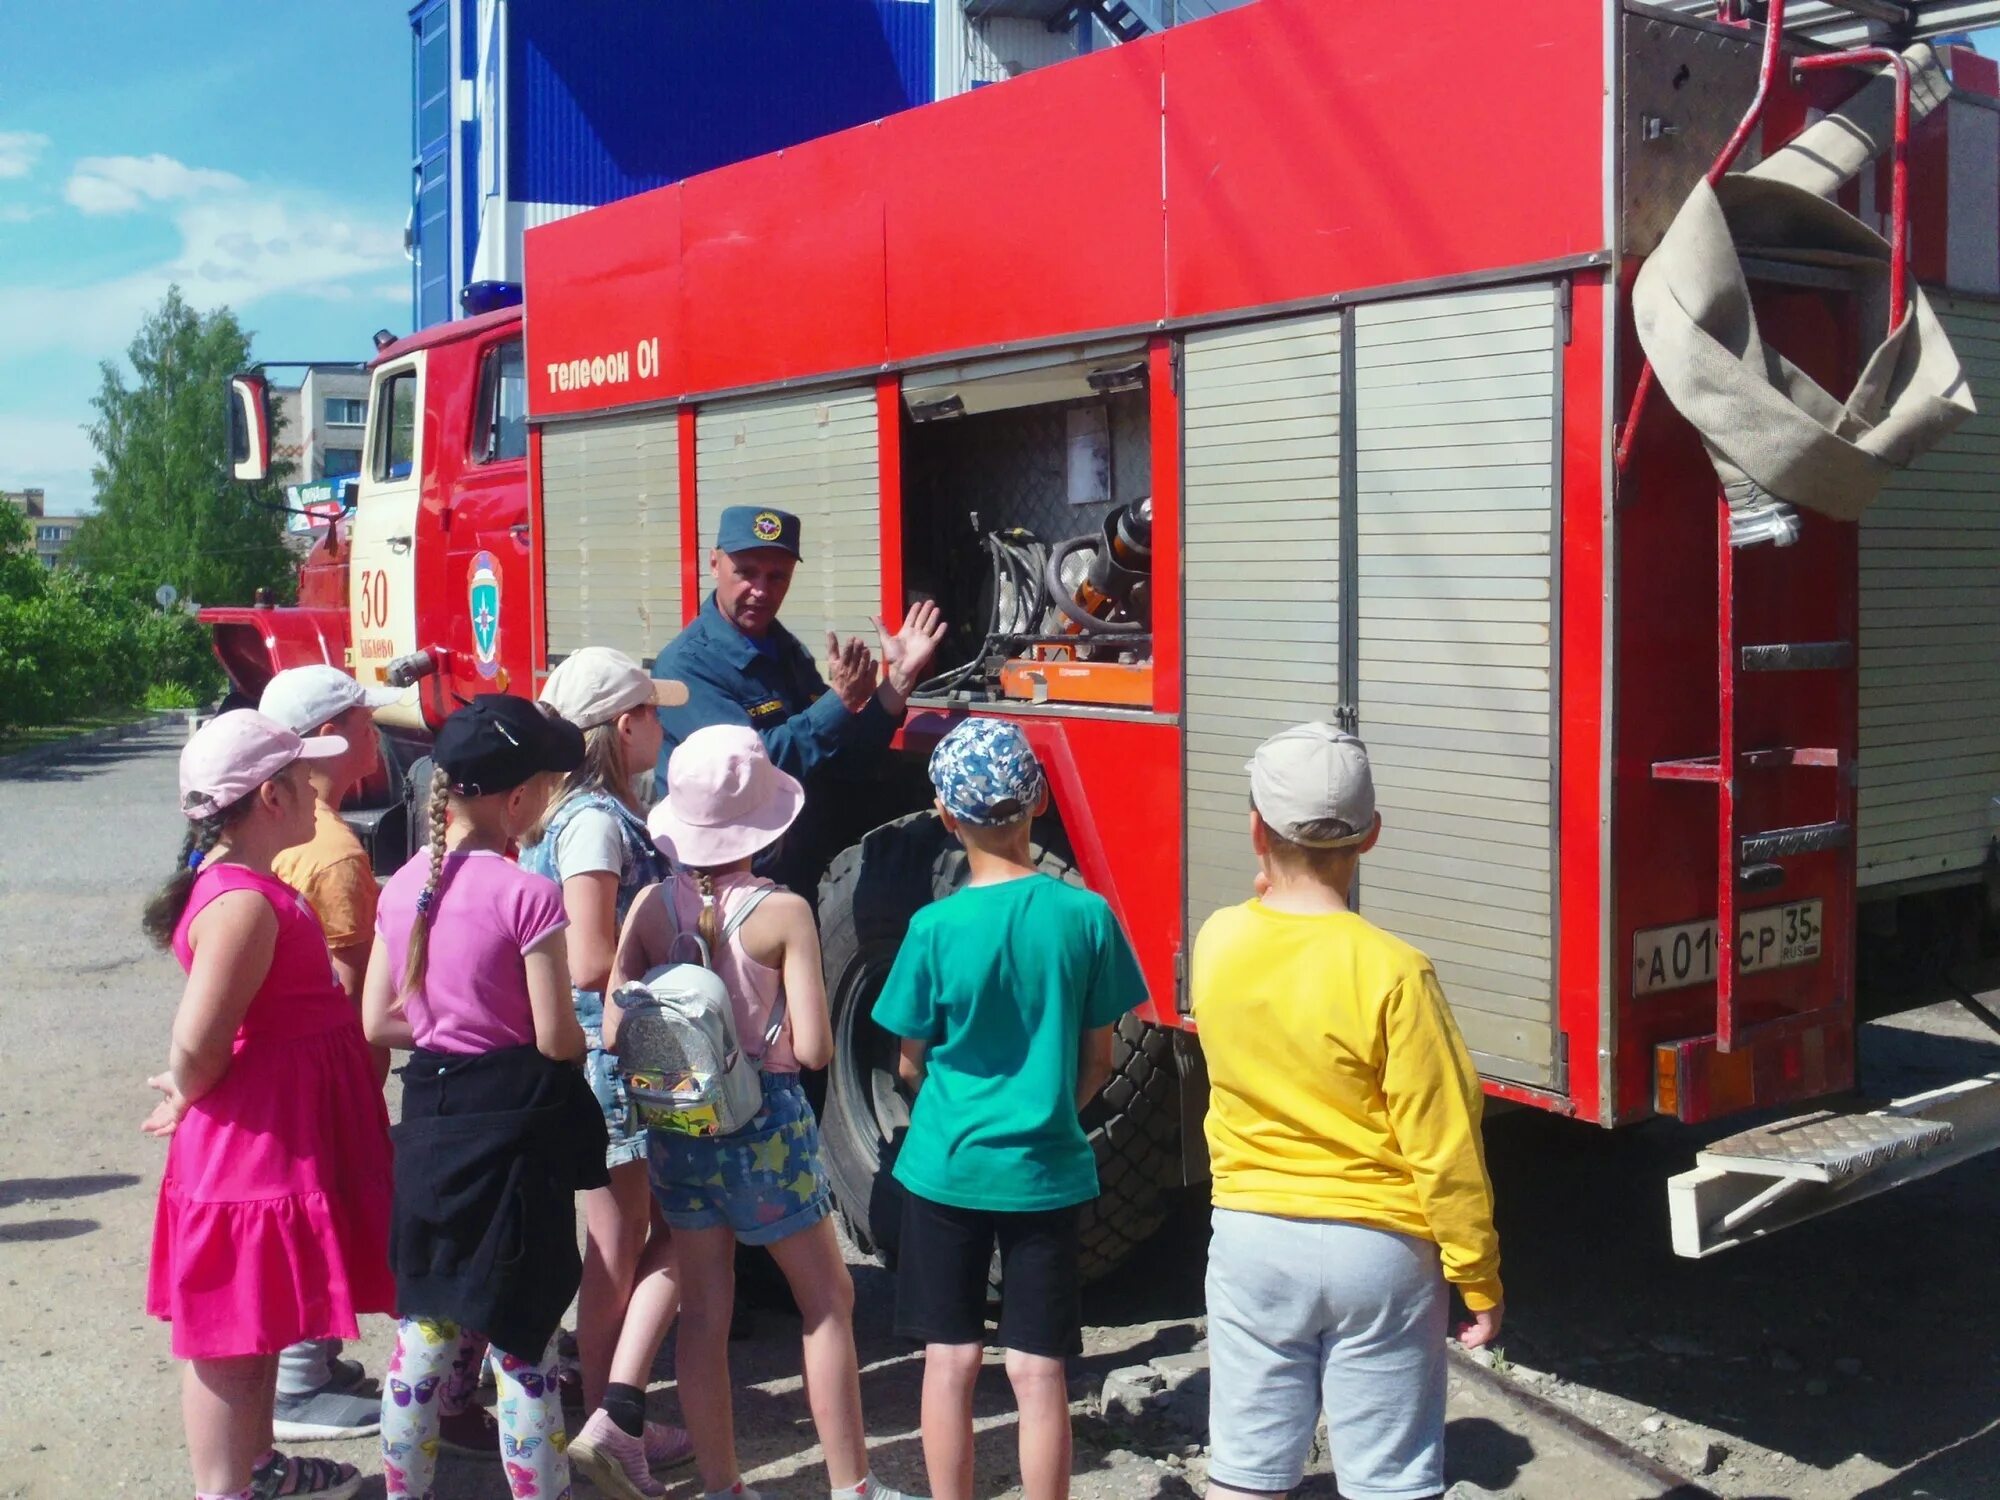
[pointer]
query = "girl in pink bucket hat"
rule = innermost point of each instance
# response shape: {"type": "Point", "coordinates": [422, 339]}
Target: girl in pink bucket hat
{"type": "Point", "coordinates": [763, 1184]}
{"type": "Point", "coordinates": [273, 1221]}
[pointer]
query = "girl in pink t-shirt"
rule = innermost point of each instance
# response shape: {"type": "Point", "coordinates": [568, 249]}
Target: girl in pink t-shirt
{"type": "Point", "coordinates": [499, 1129]}
{"type": "Point", "coordinates": [274, 1208]}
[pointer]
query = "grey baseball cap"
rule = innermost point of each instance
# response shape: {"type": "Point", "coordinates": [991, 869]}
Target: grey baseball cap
{"type": "Point", "coordinates": [1313, 773]}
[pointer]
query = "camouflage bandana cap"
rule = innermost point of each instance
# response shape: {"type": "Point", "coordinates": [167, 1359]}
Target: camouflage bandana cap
{"type": "Point", "coordinates": [985, 774]}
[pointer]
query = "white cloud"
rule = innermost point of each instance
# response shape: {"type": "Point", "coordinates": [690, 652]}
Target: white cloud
{"type": "Point", "coordinates": [20, 213]}
{"type": "Point", "coordinates": [19, 151]}
{"type": "Point", "coordinates": [239, 244]}
{"type": "Point", "coordinates": [124, 184]}
{"type": "Point", "coordinates": [48, 453]}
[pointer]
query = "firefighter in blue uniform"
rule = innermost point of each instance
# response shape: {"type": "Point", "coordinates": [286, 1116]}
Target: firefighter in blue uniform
{"type": "Point", "coordinates": [742, 667]}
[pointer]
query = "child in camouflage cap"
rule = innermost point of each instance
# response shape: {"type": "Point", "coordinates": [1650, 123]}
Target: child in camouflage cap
{"type": "Point", "coordinates": [1005, 994]}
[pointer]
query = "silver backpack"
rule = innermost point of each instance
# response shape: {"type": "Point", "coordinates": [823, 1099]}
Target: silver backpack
{"type": "Point", "coordinates": [683, 1066]}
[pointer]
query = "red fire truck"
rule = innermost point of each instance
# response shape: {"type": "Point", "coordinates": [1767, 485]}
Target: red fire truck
{"type": "Point", "coordinates": [1282, 366]}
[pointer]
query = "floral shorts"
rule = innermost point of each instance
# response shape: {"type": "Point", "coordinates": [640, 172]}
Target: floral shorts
{"type": "Point", "coordinates": [764, 1183]}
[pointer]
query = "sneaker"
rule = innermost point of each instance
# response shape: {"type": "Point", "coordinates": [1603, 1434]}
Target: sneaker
{"type": "Point", "coordinates": [613, 1460]}
{"type": "Point", "coordinates": [323, 1414]}
{"type": "Point", "coordinates": [668, 1447]}
{"type": "Point", "coordinates": [348, 1375]}
{"type": "Point", "coordinates": [472, 1433]}
{"type": "Point", "coordinates": [872, 1488]}
{"type": "Point", "coordinates": [281, 1475]}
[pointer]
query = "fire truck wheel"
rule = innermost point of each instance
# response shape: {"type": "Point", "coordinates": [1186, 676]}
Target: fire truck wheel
{"type": "Point", "coordinates": [865, 903]}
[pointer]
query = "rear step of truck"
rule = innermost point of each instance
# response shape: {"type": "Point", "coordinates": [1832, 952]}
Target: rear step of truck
{"type": "Point", "coordinates": [1766, 1179]}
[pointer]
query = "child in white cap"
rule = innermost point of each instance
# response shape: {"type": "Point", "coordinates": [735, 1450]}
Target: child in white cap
{"type": "Point", "coordinates": [273, 1223]}
{"type": "Point", "coordinates": [763, 1184]}
{"type": "Point", "coordinates": [331, 869]}
{"type": "Point", "coordinates": [1350, 1186]}
{"type": "Point", "coordinates": [1005, 994]}
{"type": "Point", "coordinates": [321, 1395]}
{"type": "Point", "coordinates": [593, 843]}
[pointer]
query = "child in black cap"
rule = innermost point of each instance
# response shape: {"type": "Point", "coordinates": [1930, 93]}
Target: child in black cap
{"type": "Point", "coordinates": [499, 1129]}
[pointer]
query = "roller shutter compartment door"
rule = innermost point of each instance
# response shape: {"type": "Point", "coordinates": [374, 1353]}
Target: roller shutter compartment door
{"type": "Point", "coordinates": [1261, 555]}
{"type": "Point", "coordinates": [611, 533]}
{"type": "Point", "coordinates": [1454, 431]}
{"type": "Point", "coordinates": [1930, 638]}
{"type": "Point", "coordinates": [817, 455]}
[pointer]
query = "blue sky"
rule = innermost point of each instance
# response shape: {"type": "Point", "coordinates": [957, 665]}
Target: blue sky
{"type": "Point", "coordinates": [257, 153]}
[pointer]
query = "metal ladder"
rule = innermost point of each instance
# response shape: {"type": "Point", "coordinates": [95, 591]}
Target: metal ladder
{"type": "Point", "coordinates": [1119, 18]}
{"type": "Point", "coordinates": [1752, 861]}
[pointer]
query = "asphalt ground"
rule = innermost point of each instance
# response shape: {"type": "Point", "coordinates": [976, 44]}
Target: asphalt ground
{"type": "Point", "coordinates": [1855, 1357]}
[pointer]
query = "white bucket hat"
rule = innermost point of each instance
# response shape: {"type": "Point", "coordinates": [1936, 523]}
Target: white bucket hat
{"type": "Point", "coordinates": [725, 800]}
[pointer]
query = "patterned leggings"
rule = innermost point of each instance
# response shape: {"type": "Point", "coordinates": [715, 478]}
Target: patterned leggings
{"type": "Point", "coordinates": [435, 1360]}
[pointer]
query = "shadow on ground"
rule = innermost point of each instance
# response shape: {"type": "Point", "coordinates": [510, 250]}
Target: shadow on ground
{"type": "Point", "coordinates": [85, 761]}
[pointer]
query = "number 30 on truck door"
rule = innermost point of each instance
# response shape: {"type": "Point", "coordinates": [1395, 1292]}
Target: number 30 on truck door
{"type": "Point", "coordinates": [373, 598]}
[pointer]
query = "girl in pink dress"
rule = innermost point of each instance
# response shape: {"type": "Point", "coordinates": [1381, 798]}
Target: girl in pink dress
{"type": "Point", "coordinates": [273, 1219]}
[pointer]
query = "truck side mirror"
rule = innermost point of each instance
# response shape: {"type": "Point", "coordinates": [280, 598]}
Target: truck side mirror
{"type": "Point", "coordinates": [249, 429]}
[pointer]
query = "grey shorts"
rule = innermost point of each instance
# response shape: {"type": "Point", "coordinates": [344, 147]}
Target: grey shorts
{"type": "Point", "coordinates": [1317, 1316]}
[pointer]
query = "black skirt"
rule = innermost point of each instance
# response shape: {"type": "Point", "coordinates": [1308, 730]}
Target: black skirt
{"type": "Point", "coordinates": [490, 1154]}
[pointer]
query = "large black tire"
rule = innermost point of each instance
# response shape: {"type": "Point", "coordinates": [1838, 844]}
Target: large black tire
{"type": "Point", "coordinates": [870, 892]}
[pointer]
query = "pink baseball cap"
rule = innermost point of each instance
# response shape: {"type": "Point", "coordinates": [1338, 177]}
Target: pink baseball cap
{"type": "Point", "coordinates": [725, 800]}
{"type": "Point", "coordinates": [233, 754]}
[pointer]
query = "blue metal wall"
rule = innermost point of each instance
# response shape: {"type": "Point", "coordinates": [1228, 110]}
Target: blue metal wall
{"type": "Point", "coordinates": [434, 280]}
{"type": "Point", "coordinates": [609, 99]}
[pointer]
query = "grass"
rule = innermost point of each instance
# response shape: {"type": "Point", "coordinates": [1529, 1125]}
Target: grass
{"type": "Point", "coordinates": [14, 740]}
{"type": "Point", "coordinates": [164, 696]}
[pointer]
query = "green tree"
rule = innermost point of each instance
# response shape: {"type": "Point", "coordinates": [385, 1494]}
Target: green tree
{"type": "Point", "coordinates": [167, 509]}
{"type": "Point", "coordinates": [22, 575]}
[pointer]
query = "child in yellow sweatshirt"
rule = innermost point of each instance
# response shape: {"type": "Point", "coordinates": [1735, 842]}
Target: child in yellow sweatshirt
{"type": "Point", "coordinates": [1343, 1130]}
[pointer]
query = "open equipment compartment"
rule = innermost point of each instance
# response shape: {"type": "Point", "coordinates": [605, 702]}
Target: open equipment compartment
{"type": "Point", "coordinates": [1027, 515]}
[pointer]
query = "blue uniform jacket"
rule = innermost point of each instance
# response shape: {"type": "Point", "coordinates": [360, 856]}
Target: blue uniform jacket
{"type": "Point", "coordinates": [780, 695]}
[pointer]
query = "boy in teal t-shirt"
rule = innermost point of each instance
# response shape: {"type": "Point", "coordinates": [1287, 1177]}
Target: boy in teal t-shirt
{"type": "Point", "coordinates": [1005, 994]}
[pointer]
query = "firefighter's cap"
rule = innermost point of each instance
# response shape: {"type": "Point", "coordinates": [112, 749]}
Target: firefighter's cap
{"type": "Point", "coordinates": [745, 528]}
{"type": "Point", "coordinates": [595, 685]}
{"type": "Point", "coordinates": [1314, 774]}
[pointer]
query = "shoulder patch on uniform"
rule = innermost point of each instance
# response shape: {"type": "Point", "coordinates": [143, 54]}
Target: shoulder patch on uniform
{"type": "Point", "coordinates": [767, 708]}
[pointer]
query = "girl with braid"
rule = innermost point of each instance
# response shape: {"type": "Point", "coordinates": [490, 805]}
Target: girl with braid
{"type": "Point", "coordinates": [469, 973]}
{"type": "Point", "coordinates": [274, 1207]}
{"type": "Point", "coordinates": [764, 1184]}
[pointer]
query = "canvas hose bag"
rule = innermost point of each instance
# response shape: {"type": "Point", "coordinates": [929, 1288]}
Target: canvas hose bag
{"type": "Point", "coordinates": [1773, 433]}
{"type": "Point", "coordinates": [683, 1066]}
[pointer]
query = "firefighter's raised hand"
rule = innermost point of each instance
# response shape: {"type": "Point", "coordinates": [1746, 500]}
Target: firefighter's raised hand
{"type": "Point", "coordinates": [851, 671]}
{"type": "Point", "coordinates": [907, 655]}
